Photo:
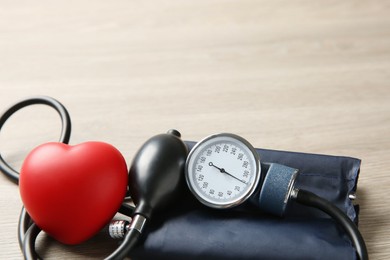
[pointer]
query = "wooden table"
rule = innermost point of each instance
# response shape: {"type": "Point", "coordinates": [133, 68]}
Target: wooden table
{"type": "Point", "coordinates": [308, 76]}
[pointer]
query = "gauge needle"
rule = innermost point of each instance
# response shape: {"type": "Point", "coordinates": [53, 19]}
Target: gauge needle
{"type": "Point", "coordinates": [222, 170]}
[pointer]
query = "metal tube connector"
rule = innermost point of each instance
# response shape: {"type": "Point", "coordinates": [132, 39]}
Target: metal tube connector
{"type": "Point", "coordinates": [118, 228]}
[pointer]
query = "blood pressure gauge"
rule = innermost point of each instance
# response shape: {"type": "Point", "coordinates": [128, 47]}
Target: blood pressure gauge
{"type": "Point", "coordinates": [223, 170]}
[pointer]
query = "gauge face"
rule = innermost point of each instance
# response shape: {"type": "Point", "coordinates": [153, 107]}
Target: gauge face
{"type": "Point", "coordinates": [222, 170]}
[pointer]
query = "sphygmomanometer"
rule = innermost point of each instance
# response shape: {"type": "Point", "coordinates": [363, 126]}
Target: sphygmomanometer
{"type": "Point", "coordinates": [222, 171]}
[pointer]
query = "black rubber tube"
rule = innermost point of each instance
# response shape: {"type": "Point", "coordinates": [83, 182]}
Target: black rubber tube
{"type": "Point", "coordinates": [27, 230]}
{"type": "Point", "coordinates": [43, 100]}
{"type": "Point", "coordinates": [25, 222]}
{"type": "Point", "coordinates": [121, 252]}
{"type": "Point", "coordinates": [29, 243]}
{"type": "Point", "coordinates": [126, 246]}
{"type": "Point", "coordinates": [310, 199]}
{"type": "Point", "coordinates": [26, 237]}
{"type": "Point", "coordinates": [126, 209]}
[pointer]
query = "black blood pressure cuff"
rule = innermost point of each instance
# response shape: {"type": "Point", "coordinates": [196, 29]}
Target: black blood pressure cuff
{"type": "Point", "coordinates": [189, 230]}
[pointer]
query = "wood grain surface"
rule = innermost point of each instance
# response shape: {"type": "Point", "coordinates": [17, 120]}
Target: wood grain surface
{"type": "Point", "coordinates": [308, 76]}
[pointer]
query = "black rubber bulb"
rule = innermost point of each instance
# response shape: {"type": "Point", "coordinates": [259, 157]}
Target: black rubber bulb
{"type": "Point", "coordinates": [155, 181]}
{"type": "Point", "coordinates": [157, 171]}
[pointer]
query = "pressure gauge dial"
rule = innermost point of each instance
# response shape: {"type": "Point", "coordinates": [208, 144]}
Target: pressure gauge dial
{"type": "Point", "coordinates": [223, 170]}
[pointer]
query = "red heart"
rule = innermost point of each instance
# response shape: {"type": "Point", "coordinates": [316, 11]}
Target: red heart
{"type": "Point", "coordinates": [71, 192]}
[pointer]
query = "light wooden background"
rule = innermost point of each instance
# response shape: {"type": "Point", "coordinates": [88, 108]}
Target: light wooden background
{"type": "Point", "coordinates": [309, 76]}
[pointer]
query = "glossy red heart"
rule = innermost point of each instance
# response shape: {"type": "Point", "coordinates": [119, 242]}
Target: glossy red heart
{"type": "Point", "coordinates": [72, 192]}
